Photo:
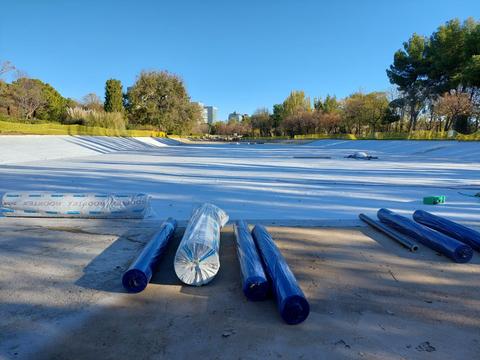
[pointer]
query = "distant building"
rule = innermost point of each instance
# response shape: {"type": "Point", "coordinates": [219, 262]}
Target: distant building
{"type": "Point", "coordinates": [211, 114]}
{"type": "Point", "coordinates": [235, 117]}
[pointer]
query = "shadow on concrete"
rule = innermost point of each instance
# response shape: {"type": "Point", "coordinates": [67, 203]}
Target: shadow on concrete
{"type": "Point", "coordinates": [366, 293]}
{"type": "Point", "coordinates": [105, 271]}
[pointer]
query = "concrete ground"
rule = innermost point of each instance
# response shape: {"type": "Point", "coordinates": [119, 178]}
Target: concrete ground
{"type": "Point", "coordinates": [61, 298]}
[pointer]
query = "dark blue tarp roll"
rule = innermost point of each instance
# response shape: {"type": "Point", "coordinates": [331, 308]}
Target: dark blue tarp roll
{"type": "Point", "coordinates": [454, 249]}
{"type": "Point", "coordinates": [448, 227]}
{"type": "Point", "coordinates": [254, 281]}
{"type": "Point", "coordinates": [291, 301]}
{"type": "Point", "coordinates": [138, 275]}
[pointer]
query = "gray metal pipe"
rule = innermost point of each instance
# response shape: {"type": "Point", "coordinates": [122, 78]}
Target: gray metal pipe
{"type": "Point", "coordinates": [402, 240]}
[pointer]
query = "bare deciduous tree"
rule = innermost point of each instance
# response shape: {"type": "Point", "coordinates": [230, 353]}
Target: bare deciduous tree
{"type": "Point", "coordinates": [329, 123]}
{"type": "Point", "coordinates": [5, 67]}
{"type": "Point", "coordinates": [92, 101]}
{"type": "Point", "coordinates": [301, 123]}
{"type": "Point", "coordinates": [452, 105]}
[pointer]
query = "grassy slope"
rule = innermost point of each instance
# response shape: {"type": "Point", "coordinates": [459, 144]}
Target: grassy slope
{"type": "Point", "coordinates": [60, 129]}
{"type": "Point", "coordinates": [46, 128]}
{"type": "Point", "coordinates": [414, 135]}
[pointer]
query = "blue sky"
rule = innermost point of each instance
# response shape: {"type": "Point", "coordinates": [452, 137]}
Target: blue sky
{"type": "Point", "coordinates": [236, 55]}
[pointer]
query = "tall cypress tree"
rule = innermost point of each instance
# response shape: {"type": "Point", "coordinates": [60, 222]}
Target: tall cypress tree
{"type": "Point", "coordinates": [113, 96]}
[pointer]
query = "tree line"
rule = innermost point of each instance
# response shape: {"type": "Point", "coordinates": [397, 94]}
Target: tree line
{"type": "Point", "coordinates": [157, 100]}
{"type": "Point", "coordinates": [297, 116]}
{"type": "Point", "coordinates": [437, 80]}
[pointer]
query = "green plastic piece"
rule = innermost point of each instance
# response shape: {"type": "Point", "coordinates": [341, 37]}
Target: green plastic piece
{"type": "Point", "coordinates": [434, 200]}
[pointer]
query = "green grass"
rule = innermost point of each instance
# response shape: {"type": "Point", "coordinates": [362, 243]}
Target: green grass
{"type": "Point", "coordinates": [471, 137]}
{"type": "Point", "coordinates": [13, 126]}
{"type": "Point", "coordinates": [47, 128]}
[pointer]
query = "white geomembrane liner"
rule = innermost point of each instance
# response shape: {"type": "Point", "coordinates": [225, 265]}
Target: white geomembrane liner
{"type": "Point", "coordinates": [82, 205]}
{"type": "Point", "coordinates": [197, 260]}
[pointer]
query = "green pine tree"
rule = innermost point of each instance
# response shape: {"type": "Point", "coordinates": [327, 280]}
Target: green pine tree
{"type": "Point", "coordinates": [113, 96]}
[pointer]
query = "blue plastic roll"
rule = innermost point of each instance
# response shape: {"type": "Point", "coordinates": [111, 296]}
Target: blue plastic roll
{"type": "Point", "coordinates": [139, 274]}
{"type": "Point", "coordinates": [452, 248]}
{"type": "Point", "coordinates": [291, 301]}
{"type": "Point", "coordinates": [450, 228]}
{"type": "Point", "coordinates": [255, 284]}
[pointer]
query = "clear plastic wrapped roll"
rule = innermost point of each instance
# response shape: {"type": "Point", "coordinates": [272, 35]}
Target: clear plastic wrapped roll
{"type": "Point", "coordinates": [197, 259]}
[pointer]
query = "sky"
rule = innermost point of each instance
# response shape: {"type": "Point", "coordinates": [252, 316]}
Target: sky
{"type": "Point", "coordinates": [235, 55]}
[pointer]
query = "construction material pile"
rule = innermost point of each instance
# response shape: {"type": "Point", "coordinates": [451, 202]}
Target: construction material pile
{"type": "Point", "coordinates": [447, 237]}
{"type": "Point", "coordinates": [197, 261]}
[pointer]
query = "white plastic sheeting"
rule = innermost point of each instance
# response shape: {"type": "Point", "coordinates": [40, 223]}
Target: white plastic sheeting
{"type": "Point", "coordinates": [197, 260]}
{"type": "Point", "coordinates": [83, 205]}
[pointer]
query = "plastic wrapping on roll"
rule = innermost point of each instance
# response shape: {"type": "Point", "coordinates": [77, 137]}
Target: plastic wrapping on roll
{"type": "Point", "coordinates": [140, 272]}
{"type": "Point", "coordinates": [70, 205]}
{"type": "Point", "coordinates": [255, 284]}
{"type": "Point", "coordinates": [197, 260]}
{"type": "Point", "coordinates": [450, 228]}
{"type": "Point", "coordinates": [452, 248]}
{"type": "Point", "coordinates": [291, 301]}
